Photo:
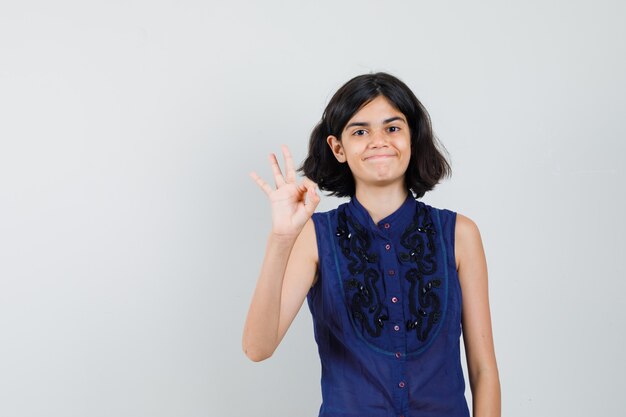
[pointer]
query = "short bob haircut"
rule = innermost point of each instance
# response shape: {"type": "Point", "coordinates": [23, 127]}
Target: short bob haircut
{"type": "Point", "coordinates": [427, 165]}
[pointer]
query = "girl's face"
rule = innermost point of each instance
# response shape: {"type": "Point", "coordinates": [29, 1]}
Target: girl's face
{"type": "Point", "coordinates": [376, 144]}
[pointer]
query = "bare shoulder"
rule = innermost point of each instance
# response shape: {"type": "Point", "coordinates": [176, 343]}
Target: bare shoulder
{"type": "Point", "coordinates": [467, 239]}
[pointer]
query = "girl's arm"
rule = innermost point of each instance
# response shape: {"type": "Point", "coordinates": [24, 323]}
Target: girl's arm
{"type": "Point", "coordinates": [476, 319]}
{"type": "Point", "coordinates": [287, 274]}
{"type": "Point", "coordinates": [290, 262]}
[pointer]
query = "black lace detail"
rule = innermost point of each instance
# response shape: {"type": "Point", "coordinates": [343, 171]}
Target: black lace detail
{"type": "Point", "coordinates": [360, 289]}
{"type": "Point", "coordinates": [424, 301]}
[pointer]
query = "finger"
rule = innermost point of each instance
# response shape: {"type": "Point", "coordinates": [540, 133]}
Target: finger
{"type": "Point", "coordinates": [262, 184]}
{"type": "Point", "coordinates": [289, 166]}
{"type": "Point", "coordinates": [302, 190]}
{"type": "Point", "coordinates": [308, 183]}
{"type": "Point", "coordinates": [313, 200]}
{"type": "Point", "coordinates": [278, 175]}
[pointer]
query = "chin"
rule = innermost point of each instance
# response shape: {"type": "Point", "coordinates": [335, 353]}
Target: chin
{"type": "Point", "coordinates": [381, 181]}
{"type": "Point", "coordinates": [387, 176]}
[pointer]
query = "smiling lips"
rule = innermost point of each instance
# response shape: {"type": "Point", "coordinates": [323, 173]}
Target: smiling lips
{"type": "Point", "coordinates": [381, 156]}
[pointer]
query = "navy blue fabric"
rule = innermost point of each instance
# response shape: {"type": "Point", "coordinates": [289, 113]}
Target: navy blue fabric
{"type": "Point", "coordinates": [387, 313]}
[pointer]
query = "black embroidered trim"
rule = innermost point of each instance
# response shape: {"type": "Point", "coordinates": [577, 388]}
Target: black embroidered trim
{"type": "Point", "coordinates": [419, 239]}
{"type": "Point", "coordinates": [361, 292]}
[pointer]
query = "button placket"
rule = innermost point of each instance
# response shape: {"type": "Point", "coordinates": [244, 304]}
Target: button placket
{"type": "Point", "coordinates": [391, 267]}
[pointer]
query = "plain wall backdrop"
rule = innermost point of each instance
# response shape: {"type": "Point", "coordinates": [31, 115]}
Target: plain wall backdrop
{"type": "Point", "coordinates": [131, 235]}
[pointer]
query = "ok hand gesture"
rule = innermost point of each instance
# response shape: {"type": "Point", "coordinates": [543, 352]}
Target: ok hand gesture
{"type": "Point", "coordinates": [292, 203]}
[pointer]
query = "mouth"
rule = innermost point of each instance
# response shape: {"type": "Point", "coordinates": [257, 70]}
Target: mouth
{"type": "Point", "coordinates": [375, 157]}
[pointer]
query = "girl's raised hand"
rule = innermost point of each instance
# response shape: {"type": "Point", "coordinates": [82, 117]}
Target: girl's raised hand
{"type": "Point", "coordinates": [292, 203]}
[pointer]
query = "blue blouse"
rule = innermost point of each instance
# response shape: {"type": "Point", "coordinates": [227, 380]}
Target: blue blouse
{"type": "Point", "coordinates": [387, 313]}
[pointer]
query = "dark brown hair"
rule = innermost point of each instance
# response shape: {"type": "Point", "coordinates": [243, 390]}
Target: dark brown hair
{"type": "Point", "coordinates": [427, 165]}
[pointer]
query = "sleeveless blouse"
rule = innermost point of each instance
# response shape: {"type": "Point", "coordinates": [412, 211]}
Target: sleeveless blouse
{"type": "Point", "coordinates": [386, 311]}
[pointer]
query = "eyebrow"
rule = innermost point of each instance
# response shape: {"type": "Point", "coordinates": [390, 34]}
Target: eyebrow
{"type": "Point", "coordinates": [364, 124]}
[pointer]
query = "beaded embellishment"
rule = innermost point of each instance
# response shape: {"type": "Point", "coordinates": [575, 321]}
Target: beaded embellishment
{"type": "Point", "coordinates": [363, 287]}
{"type": "Point", "coordinates": [424, 301]}
{"type": "Point", "coordinates": [361, 290]}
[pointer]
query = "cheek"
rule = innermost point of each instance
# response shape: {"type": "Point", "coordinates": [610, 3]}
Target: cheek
{"type": "Point", "coordinates": [407, 153]}
{"type": "Point", "coordinates": [353, 152]}
{"type": "Point", "coordinates": [404, 146]}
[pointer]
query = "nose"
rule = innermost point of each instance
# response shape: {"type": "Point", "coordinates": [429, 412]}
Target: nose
{"type": "Point", "coordinates": [378, 138]}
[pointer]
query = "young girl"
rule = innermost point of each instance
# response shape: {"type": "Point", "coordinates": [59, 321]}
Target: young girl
{"type": "Point", "coordinates": [390, 281]}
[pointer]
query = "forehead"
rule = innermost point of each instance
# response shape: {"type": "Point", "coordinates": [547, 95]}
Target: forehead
{"type": "Point", "coordinates": [378, 108]}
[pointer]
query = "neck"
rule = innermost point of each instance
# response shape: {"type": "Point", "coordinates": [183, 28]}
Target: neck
{"type": "Point", "coordinates": [380, 202]}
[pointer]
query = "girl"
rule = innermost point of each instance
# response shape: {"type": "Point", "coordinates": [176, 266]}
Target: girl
{"type": "Point", "coordinates": [391, 282]}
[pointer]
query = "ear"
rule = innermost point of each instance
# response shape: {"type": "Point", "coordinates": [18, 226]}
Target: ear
{"type": "Point", "coordinates": [337, 148]}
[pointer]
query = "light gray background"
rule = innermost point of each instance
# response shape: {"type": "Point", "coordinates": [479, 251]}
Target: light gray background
{"type": "Point", "coordinates": [131, 235]}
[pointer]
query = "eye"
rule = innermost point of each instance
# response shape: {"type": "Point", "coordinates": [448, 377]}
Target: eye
{"type": "Point", "coordinates": [394, 128]}
{"type": "Point", "coordinates": [359, 132]}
